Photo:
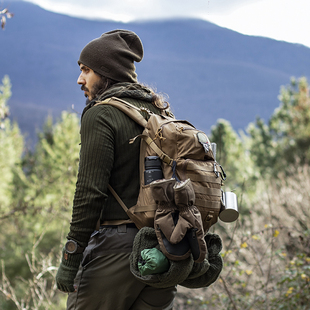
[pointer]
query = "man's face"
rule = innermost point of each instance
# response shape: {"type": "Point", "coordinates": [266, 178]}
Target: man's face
{"type": "Point", "coordinates": [89, 81]}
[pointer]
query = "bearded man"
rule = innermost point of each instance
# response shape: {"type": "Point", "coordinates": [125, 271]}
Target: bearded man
{"type": "Point", "coordinates": [95, 268]}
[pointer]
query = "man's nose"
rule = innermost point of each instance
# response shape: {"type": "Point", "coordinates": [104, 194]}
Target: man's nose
{"type": "Point", "coordinates": [81, 80]}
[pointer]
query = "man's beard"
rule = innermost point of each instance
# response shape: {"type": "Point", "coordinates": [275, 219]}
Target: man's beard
{"type": "Point", "coordinates": [97, 89]}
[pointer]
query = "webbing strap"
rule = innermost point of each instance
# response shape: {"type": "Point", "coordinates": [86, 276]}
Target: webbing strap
{"type": "Point", "coordinates": [193, 167]}
{"type": "Point", "coordinates": [132, 112]}
{"type": "Point", "coordinates": [208, 191]}
{"type": "Point", "coordinates": [164, 157]}
{"type": "Point", "coordinates": [151, 207]}
{"type": "Point", "coordinates": [141, 161]}
{"type": "Point", "coordinates": [216, 205]}
{"type": "Point", "coordinates": [204, 178]}
{"type": "Point", "coordinates": [129, 109]}
{"type": "Point", "coordinates": [119, 200]}
{"type": "Point", "coordinates": [115, 222]}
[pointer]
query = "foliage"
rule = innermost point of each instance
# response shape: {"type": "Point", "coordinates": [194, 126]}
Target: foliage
{"type": "Point", "coordinates": [266, 255]}
{"type": "Point", "coordinates": [290, 124]}
{"type": "Point", "coordinates": [4, 14]}
{"type": "Point", "coordinates": [36, 193]}
{"type": "Point", "coordinates": [11, 148]}
{"type": "Point", "coordinates": [262, 147]}
{"type": "Point", "coordinates": [233, 156]}
{"type": "Point", "coordinates": [53, 168]}
{"type": "Point", "coordinates": [5, 94]}
{"type": "Point", "coordinates": [286, 138]}
{"type": "Point", "coordinates": [38, 291]}
{"type": "Point", "coordinates": [266, 251]}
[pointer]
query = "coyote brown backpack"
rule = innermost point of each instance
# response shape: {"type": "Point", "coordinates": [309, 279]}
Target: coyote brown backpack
{"type": "Point", "coordinates": [185, 152]}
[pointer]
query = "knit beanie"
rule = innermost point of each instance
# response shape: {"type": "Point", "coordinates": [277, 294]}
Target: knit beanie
{"type": "Point", "coordinates": [113, 54]}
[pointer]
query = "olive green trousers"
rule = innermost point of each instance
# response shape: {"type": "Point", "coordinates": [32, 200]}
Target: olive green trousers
{"type": "Point", "coordinates": [104, 280]}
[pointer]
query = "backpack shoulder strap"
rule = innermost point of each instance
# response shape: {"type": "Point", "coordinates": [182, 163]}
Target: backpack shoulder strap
{"type": "Point", "coordinates": [133, 112]}
{"type": "Point", "coordinates": [119, 200]}
{"type": "Point", "coordinates": [129, 109]}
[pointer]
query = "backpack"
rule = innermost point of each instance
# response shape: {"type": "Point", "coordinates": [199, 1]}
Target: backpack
{"type": "Point", "coordinates": [185, 153]}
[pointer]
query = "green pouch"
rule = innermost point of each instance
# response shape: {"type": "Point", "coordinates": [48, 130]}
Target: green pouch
{"type": "Point", "coordinates": [152, 261]}
{"type": "Point", "coordinates": [178, 270]}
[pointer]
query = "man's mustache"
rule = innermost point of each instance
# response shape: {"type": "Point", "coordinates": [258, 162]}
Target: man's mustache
{"type": "Point", "coordinates": [83, 87]}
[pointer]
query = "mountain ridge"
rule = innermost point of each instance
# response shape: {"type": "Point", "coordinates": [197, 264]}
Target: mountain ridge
{"type": "Point", "coordinates": [215, 71]}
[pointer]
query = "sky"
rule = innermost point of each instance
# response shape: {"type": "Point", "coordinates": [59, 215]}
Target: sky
{"type": "Point", "coordinates": [285, 20]}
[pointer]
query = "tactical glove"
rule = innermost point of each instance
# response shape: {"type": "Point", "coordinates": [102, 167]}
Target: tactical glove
{"type": "Point", "coordinates": [67, 271]}
{"type": "Point", "coordinates": [166, 216]}
{"type": "Point", "coordinates": [190, 221]}
{"type": "Point", "coordinates": [205, 273]}
{"type": "Point", "coordinates": [170, 228]}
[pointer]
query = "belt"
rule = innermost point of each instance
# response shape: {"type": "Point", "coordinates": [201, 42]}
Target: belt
{"type": "Point", "coordinates": [113, 223]}
{"type": "Point", "coordinates": [120, 228]}
{"type": "Point", "coordinates": [129, 225]}
{"type": "Point", "coordinates": [116, 222]}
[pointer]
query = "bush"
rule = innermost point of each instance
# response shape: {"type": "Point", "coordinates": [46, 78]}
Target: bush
{"type": "Point", "coordinates": [266, 253]}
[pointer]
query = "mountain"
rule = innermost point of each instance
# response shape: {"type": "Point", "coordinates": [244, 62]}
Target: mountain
{"type": "Point", "coordinates": [208, 72]}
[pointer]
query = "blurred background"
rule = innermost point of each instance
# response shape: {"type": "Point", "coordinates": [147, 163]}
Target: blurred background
{"type": "Point", "coordinates": [237, 70]}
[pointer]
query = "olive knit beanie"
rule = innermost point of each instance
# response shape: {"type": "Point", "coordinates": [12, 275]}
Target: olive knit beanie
{"type": "Point", "coordinates": [113, 54]}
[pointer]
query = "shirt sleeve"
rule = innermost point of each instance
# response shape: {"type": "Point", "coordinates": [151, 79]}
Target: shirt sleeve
{"type": "Point", "coordinates": [96, 162]}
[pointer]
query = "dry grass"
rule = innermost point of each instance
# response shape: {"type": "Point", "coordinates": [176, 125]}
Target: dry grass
{"type": "Point", "coordinates": [266, 254]}
{"type": "Point", "coordinates": [266, 258]}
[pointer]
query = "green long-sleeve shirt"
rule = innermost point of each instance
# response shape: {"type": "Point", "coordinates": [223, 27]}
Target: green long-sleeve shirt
{"type": "Point", "coordinates": [106, 157]}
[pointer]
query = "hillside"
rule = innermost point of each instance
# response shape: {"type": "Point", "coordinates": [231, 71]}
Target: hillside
{"type": "Point", "coordinates": [208, 72]}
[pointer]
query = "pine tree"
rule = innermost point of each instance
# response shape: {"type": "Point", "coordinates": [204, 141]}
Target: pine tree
{"type": "Point", "coordinates": [11, 148]}
{"type": "Point", "coordinates": [53, 167]}
{"type": "Point", "coordinates": [233, 156]}
{"type": "Point", "coordinates": [285, 140]}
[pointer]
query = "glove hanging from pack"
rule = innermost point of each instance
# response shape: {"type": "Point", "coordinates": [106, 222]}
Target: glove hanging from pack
{"type": "Point", "coordinates": [166, 219]}
{"type": "Point", "coordinates": [177, 221]}
{"type": "Point", "coordinates": [184, 198]}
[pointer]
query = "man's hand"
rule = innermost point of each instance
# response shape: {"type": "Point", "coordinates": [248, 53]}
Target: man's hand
{"type": "Point", "coordinates": [67, 271]}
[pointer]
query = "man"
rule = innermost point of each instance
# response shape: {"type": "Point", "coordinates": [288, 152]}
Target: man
{"type": "Point", "coordinates": [98, 260]}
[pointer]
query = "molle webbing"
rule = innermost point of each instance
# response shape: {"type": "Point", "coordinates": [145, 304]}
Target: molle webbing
{"type": "Point", "coordinates": [185, 153]}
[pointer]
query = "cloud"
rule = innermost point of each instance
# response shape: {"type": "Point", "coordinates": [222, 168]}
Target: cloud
{"type": "Point", "coordinates": [127, 10]}
{"type": "Point", "coordinates": [278, 19]}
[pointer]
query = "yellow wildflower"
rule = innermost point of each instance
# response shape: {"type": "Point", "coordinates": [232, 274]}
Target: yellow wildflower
{"type": "Point", "coordinates": [224, 254]}
{"type": "Point", "coordinates": [248, 272]}
{"type": "Point", "coordinates": [244, 245]}
{"type": "Point", "coordinates": [276, 233]}
{"type": "Point", "coordinates": [289, 291]}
